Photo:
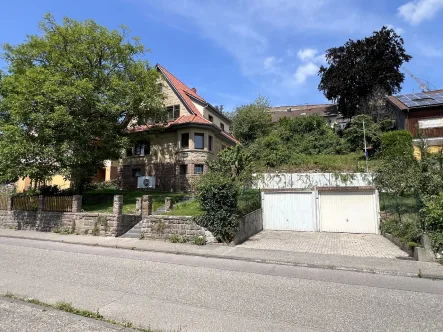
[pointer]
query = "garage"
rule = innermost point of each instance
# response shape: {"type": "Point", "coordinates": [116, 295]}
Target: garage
{"type": "Point", "coordinates": [289, 210]}
{"type": "Point", "coordinates": [324, 209]}
{"type": "Point", "coordinates": [349, 211]}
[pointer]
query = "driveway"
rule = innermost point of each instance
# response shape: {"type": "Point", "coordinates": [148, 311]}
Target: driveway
{"type": "Point", "coordinates": [363, 245]}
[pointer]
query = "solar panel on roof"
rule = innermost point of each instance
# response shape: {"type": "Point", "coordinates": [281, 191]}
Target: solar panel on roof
{"type": "Point", "coordinates": [421, 99]}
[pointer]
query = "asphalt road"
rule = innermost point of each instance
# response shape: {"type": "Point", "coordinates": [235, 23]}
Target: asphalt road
{"type": "Point", "coordinates": [172, 292]}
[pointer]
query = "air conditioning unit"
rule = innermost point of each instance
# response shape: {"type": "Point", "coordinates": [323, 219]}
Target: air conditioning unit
{"type": "Point", "coordinates": [146, 182]}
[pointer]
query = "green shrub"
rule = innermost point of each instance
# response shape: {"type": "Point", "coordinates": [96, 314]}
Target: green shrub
{"type": "Point", "coordinates": [217, 196]}
{"type": "Point", "coordinates": [407, 230]}
{"type": "Point", "coordinates": [199, 240]}
{"type": "Point", "coordinates": [432, 214]}
{"type": "Point", "coordinates": [355, 135]}
{"type": "Point", "coordinates": [397, 144]}
{"type": "Point", "coordinates": [176, 238]}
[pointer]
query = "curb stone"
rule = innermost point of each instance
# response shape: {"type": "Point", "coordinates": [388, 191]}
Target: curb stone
{"type": "Point", "coordinates": [246, 259]}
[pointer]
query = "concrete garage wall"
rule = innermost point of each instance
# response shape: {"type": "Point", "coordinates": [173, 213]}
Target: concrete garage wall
{"type": "Point", "coordinates": [249, 225]}
{"type": "Point", "coordinates": [163, 227]}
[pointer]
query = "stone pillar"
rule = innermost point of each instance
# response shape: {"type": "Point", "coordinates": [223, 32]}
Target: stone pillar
{"type": "Point", "coordinates": [118, 205]}
{"type": "Point", "coordinates": [168, 203]}
{"type": "Point", "coordinates": [76, 203]}
{"type": "Point", "coordinates": [9, 206]}
{"type": "Point", "coordinates": [138, 206]}
{"type": "Point", "coordinates": [146, 205]}
{"type": "Point", "coordinates": [41, 201]}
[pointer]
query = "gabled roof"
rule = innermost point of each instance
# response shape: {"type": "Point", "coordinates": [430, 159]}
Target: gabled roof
{"type": "Point", "coordinates": [184, 92]}
{"type": "Point", "coordinates": [417, 100]}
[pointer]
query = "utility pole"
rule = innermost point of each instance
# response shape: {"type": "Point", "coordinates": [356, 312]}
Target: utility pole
{"type": "Point", "coordinates": [366, 151]}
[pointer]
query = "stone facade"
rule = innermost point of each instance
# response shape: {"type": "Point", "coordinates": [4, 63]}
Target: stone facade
{"type": "Point", "coordinates": [171, 164]}
{"type": "Point", "coordinates": [163, 227]}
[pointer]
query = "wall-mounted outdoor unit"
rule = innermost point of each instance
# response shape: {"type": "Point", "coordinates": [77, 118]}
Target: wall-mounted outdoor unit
{"type": "Point", "coordinates": [146, 182]}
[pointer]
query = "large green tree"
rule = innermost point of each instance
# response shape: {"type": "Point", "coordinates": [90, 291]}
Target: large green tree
{"type": "Point", "coordinates": [68, 98]}
{"type": "Point", "coordinates": [361, 67]}
{"type": "Point", "coordinates": [252, 121]}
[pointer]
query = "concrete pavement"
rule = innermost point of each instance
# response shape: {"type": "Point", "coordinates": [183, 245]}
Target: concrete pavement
{"type": "Point", "coordinates": [18, 316]}
{"type": "Point", "coordinates": [376, 265]}
{"type": "Point", "coordinates": [191, 293]}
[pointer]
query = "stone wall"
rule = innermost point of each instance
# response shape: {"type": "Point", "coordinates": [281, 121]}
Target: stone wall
{"type": "Point", "coordinates": [105, 224]}
{"type": "Point", "coordinates": [249, 225]}
{"type": "Point", "coordinates": [163, 227]}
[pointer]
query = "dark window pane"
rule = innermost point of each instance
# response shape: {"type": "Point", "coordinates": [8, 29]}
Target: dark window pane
{"type": "Point", "coordinates": [136, 172]}
{"type": "Point", "coordinates": [142, 148]}
{"type": "Point", "coordinates": [198, 169]}
{"type": "Point", "coordinates": [210, 143]}
{"type": "Point", "coordinates": [183, 169]}
{"type": "Point", "coordinates": [222, 126]}
{"type": "Point", "coordinates": [185, 141]}
{"type": "Point", "coordinates": [199, 141]}
{"type": "Point", "coordinates": [211, 118]}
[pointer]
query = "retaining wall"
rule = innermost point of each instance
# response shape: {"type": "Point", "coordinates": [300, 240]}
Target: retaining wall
{"type": "Point", "coordinates": [77, 222]}
{"type": "Point", "coordinates": [249, 225]}
{"type": "Point", "coordinates": [163, 227]}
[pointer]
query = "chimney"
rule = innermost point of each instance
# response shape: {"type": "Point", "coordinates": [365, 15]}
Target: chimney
{"type": "Point", "coordinates": [194, 90]}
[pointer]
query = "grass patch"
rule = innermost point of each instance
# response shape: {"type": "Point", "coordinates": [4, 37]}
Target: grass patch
{"type": "Point", "coordinates": [352, 162]}
{"type": "Point", "coordinates": [104, 201]}
{"type": "Point", "coordinates": [190, 208]}
{"type": "Point", "coordinates": [68, 307]}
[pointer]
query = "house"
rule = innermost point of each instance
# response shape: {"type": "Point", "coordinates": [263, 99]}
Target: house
{"type": "Point", "coordinates": [328, 111]}
{"type": "Point", "coordinates": [422, 115]}
{"type": "Point", "coordinates": [195, 132]}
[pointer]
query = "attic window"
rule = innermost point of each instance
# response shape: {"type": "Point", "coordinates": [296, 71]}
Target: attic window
{"type": "Point", "coordinates": [173, 112]}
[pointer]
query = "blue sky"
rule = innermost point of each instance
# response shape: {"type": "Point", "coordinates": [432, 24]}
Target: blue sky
{"type": "Point", "coordinates": [234, 50]}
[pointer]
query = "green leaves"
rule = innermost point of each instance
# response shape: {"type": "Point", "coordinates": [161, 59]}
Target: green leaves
{"type": "Point", "coordinates": [252, 121]}
{"type": "Point", "coordinates": [358, 68]}
{"type": "Point", "coordinates": [71, 94]}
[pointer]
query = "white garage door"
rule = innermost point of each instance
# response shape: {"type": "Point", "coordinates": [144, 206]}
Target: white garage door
{"type": "Point", "coordinates": [348, 211]}
{"type": "Point", "coordinates": [292, 211]}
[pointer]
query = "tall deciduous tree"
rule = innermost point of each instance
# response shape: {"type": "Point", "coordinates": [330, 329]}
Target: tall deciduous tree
{"type": "Point", "coordinates": [69, 97]}
{"type": "Point", "coordinates": [252, 121]}
{"type": "Point", "coordinates": [356, 69]}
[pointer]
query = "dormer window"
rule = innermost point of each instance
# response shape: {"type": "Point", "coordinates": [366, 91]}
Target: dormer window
{"type": "Point", "coordinates": [173, 112]}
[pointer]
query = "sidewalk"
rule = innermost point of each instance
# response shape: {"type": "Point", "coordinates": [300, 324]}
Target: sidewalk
{"type": "Point", "coordinates": [398, 267]}
{"type": "Point", "coordinates": [20, 316]}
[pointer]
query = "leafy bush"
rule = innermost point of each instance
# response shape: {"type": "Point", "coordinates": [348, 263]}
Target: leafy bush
{"type": "Point", "coordinates": [175, 238]}
{"type": "Point", "coordinates": [248, 201]}
{"type": "Point", "coordinates": [217, 195]}
{"type": "Point", "coordinates": [397, 144]}
{"type": "Point", "coordinates": [407, 230]}
{"type": "Point", "coordinates": [432, 213]}
{"type": "Point", "coordinates": [354, 133]}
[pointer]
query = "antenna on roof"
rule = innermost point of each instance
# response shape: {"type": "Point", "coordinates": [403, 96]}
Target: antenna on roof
{"type": "Point", "coordinates": [423, 85]}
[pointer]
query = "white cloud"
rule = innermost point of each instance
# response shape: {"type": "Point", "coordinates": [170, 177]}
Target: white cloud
{"type": "Point", "coordinates": [306, 54]}
{"type": "Point", "coordinates": [270, 63]}
{"type": "Point", "coordinates": [414, 12]}
{"type": "Point", "coordinates": [398, 30]}
{"type": "Point", "coordinates": [304, 71]}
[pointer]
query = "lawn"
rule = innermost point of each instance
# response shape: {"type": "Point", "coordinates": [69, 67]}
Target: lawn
{"type": "Point", "coordinates": [190, 208]}
{"type": "Point", "coordinates": [102, 200]}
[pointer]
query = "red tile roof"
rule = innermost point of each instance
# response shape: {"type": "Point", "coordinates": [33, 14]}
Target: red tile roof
{"type": "Point", "coordinates": [186, 94]}
{"type": "Point", "coordinates": [183, 90]}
